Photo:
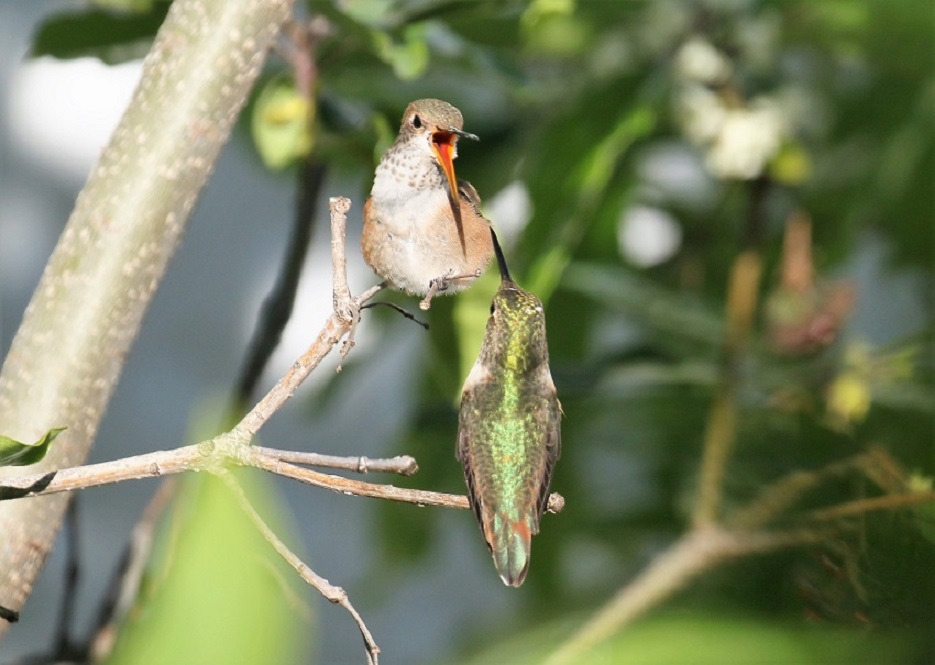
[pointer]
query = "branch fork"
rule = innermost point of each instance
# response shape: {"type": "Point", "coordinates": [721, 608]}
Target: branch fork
{"type": "Point", "coordinates": [235, 447]}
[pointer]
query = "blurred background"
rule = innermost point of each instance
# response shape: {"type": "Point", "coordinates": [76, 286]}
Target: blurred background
{"type": "Point", "coordinates": [629, 151]}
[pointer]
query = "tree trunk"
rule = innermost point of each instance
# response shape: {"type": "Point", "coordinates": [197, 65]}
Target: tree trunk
{"type": "Point", "coordinates": [85, 314]}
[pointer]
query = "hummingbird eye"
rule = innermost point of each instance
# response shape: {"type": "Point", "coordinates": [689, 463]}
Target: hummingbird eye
{"type": "Point", "coordinates": [417, 121]}
{"type": "Point", "coordinates": [492, 308]}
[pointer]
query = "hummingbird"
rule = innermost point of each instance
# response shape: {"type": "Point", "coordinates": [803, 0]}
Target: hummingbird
{"type": "Point", "coordinates": [423, 231]}
{"type": "Point", "coordinates": [509, 430]}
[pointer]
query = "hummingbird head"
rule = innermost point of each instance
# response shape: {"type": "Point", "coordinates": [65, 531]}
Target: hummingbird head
{"type": "Point", "coordinates": [516, 335]}
{"type": "Point", "coordinates": [435, 127]}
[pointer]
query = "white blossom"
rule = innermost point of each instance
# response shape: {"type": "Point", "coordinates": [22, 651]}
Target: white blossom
{"type": "Point", "coordinates": [748, 139]}
{"type": "Point", "coordinates": [698, 60]}
{"type": "Point", "coordinates": [702, 113]}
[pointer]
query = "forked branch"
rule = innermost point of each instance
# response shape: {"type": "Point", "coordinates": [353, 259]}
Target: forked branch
{"type": "Point", "coordinates": [235, 447]}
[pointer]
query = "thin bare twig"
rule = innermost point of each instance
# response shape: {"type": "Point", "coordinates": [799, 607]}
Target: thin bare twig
{"type": "Point", "coordinates": [341, 322]}
{"type": "Point", "coordinates": [742, 298]}
{"type": "Point", "coordinates": [404, 465]}
{"type": "Point", "coordinates": [125, 583]}
{"type": "Point", "coordinates": [149, 465]}
{"type": "Point", "coordinates": [863, 506]}
{"type": "Point", "coordinates": [339, 206]}
{"type": "Point", "coordinates": [779, 495]}
{"type": "Point", "coordinates": [332, 593]}
{"type": "Point", "coordinates": [352, 487]}
{"type": "Point", "coordinates": [297, 48]}
{"type": "Point", "coordinates": [212, 455]}
{"type": "Point", "coordinates": [277, 308]}
{"type": "Point", "coordinates": [63, 643]}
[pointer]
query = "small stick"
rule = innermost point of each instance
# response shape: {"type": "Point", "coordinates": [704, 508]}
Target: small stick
{"type": "Point", "coordinates": [343, 321]}
{"type": "Point", "coordinates": [124, 585]}
{"type": "Point", "coordinates": [404, 465]}
{"type": "Point", "coordinates": [352, 487]}
{"type": "Point", "coordinates": [332, 593]}
{"type": "Point", "coordinates": [863, 506]}
{"type": "Point", "coordinates": [399, 309]}
{"type": "Point", "coordinates": [63, 643]}
{"type": "Point", "coordinates": [206, 455]}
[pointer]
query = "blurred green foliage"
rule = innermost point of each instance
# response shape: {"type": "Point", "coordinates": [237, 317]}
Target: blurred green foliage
{"type": "Point", "coordinates": [282, 124]}
{"type": "Point", "coordinates": [216, 591]}
{"type": "Point", "coordinates": [111, 36]}
{"type": "Point", "coordinates": [594, 109]}
{"type": "Point", "coordinates": [714, 640]}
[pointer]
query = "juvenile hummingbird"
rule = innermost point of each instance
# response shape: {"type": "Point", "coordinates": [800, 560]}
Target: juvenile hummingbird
{"type": "Point", "coordinates": [423, 232]}
{"type": "Point", "coordinates": [509, 432]}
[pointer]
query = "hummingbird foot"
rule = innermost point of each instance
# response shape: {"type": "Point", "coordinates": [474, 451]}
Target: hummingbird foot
{"type": "Point", "coordinates": [435, 286]}
{"type": "Point", "coordinates": [441, 284]}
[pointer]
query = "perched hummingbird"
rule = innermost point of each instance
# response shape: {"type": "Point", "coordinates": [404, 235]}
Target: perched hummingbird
{"type": "Point", "coordinates": [422, 233]}
{"type": "Point", "coordinates": [509, 433]}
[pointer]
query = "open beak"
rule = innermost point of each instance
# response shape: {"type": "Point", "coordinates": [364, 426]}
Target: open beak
{"type": "Point", "coordinates": [443, 144]}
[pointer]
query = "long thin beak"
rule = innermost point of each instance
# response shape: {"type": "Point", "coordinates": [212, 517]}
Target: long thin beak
{"type": "Point", "coordinates": [443, 144]}
{"type": "Point", "coordinates": [463, 134]}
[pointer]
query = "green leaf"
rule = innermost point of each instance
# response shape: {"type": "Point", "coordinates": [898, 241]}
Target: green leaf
{"type": "Point", "coordinates": [551, 27]}
{"type": "Point", "coordinates": [15, 453]}
{"type": "Point", "coordinates": [369, 12]}
{"type": "Point", "coordinates": [217, 592]}
{"type": "Point", "coordinates": [410, 57]}
{"type": "Point", "coordinates": [110, 36]}
{"type": "Point", "coordinates": [281, 124]}
{"type": "Point", "coordinates": [925, 512]}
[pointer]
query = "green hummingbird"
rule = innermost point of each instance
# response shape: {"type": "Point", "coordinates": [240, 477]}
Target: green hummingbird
{"type": "Point", "coordinates": [509, 431]}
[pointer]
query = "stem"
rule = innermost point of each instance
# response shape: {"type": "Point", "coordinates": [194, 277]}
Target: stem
{"type": "Point", "coordinates": [340, 323]}
{"type": "Point", "coordinates": [211, 456]}
{"type": "Point", "coordinates": [301, 39]}
{"type": "Point", "coordinates": [334, 594]}
{"type": "Point", "coordinates": [863, 506]}
{"type": "Point", "coordinates": [742, 297]}
{"type": "Point", "coordinates": [404, 465]}
{"type": "Point", "coordinates": [149, 465]}
{"type": "Point", "coordinates": [124, 586]}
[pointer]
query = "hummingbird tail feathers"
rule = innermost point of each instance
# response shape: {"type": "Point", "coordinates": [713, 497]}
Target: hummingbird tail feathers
{"type": "Point", "coordinates": [511, 547]}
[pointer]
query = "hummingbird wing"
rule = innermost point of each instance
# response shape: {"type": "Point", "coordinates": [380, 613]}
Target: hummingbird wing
{"type": "Point", "coordinates": [476, 379]}
{"type": "Point", "coordinates": [467, 192]}
{"type": "Point", "coordinates": [476, 227]}
{"type": "Point", "coordinates": [550, 414]}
